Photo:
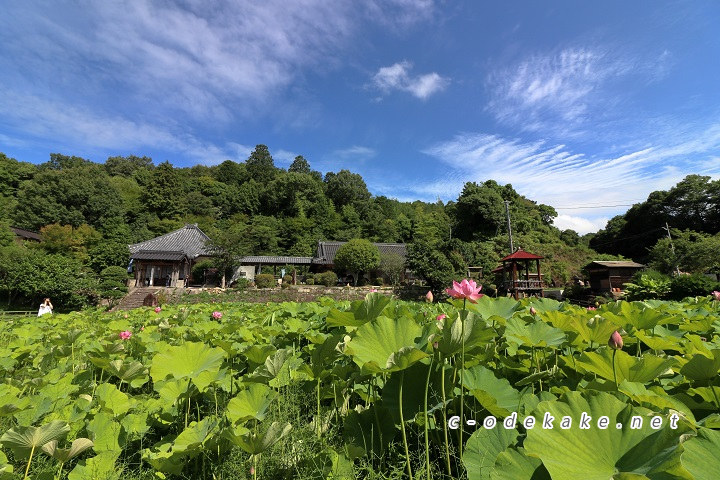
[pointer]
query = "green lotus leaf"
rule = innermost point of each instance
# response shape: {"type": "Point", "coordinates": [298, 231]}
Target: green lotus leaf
{"type": "Point", "coordinates": [6, 471]}
{"type": "Point", "coordinates": [536, 334]}
{"type": "Point", "coordinates": [78, 446]}
{"type": "Point", "coordinates": [627, 367]}
{"type": "Point", "coordinates": [333, 465]}
{"type": "Point", "coordinates": [596, 329]}
{"type": "Point", "coordinates": [324, 354]}
{"type": "Point", "coordinates": [514, 464]}
{"type": "Point", "coordinates": [165, 460]}
{"type": "Point", "coordinates": [701, 457]}
{"type": "Point", "coordinates": [488, 307]}
{"type": "Point", "coordinates": [414, 391]}
{"type": "Point", "coordinates": [22, 440]}
{"type": "Point", "coordinates": [257, 354]}
{"type": "Point", "coordinates": [195, 436]}
{"type": "Point", "coordinates": [476, 332]}
{"type": "Point", "coordinates": [252, 402]}
{"type": "Point", "coordinates": [634, 316]}
{"type": "Point", "coordinates": [99, 466]}
{"type": "Point", "coordinates": [106, 433]}
{"type": "Point", "coordinates": [483, 447]}
{"type": "Point", "coordinates": [112, 400]}
{"type": "Point", "coordinates": [127, 371]}
{"type": "Point", "coordinates": [188, 360]}
{"type": "Point", "coordinates": [172, 391]}
{"type": "Point", "coordinates": [496, 395]}
{"type": "Point", "coordinates": [135, 424]}
{"type": "Point", "coordinates": [624, 449]}
{"type": "Point", "coordinates": [654, 400]}
{"type": "Point", "coordinates": [700, 367]}
{"type": "Point", "coordinates": [360, 312]}
{"type": "Point", "coordinates": [369, 432]}
{"type": "Point", "coordinates": [254, 443]}
{"type": "Point", "coordinates": [375, 342]}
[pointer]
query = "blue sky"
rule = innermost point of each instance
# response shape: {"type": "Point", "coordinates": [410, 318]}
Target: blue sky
{"type": "Point", "coordinates": [576, 104]}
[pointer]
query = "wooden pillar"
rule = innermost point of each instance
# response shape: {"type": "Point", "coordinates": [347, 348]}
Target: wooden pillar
{"type": "Point", "coordinates": [514, 280]}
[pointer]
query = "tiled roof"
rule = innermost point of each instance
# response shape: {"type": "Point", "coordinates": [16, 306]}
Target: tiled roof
{"type": "Point", "coordinates": [615, 264]}
{"type": "Point", "coordinates": [189, 240]}
{"type": "Point", "coordinates": [521, 254]}
{"type": "Point", "coordinates": [276, 260]}
{"type": "Point", "coordinates": [326, 251]}
{"type": "Point", "coordinates": [26, 234]}
{"type": "Point", "coordinates": [158, 255]}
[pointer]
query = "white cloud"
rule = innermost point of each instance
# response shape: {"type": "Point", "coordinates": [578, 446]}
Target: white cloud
{"type": "Point", "coordinates": [571, 182]}
{"type": "Point", "coordinates": [397, 77]}
{"type": "Point", "coordinates": [563, 90]}
{"type": "Point", "coordinates": [579, 224]}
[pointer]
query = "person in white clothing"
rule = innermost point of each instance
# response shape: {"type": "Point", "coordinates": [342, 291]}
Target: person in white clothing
{"type": "Point", "coordinates": [45, 307]}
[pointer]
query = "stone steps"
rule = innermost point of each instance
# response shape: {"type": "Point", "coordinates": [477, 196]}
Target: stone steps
{"type": "Point", "coordinates": [135, 298]}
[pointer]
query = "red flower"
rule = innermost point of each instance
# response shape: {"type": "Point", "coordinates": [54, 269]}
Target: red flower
{"type": "Point", "coordinates": [467, 289]}
{"type": "Point", "coordinates": [616, 341]}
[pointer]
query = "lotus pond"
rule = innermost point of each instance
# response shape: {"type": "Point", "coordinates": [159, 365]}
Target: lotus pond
{"type": "Point", "coordinates": [368, 389]}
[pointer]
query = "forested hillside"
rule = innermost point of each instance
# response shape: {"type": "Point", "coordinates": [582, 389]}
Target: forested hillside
{"type": "Point", "coordinates": [89, 212]}
{"type": "Point", "coordinates": [691, 210]}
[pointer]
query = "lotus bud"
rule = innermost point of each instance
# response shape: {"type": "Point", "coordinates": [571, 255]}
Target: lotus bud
{"type": "Point", "coordinates": [429, 297]}
{"type": "Point", "coordinates": [158, 309]}
{"type": "Point", "coordinates": [616, 341]}
{"type": "Point", "coordinates": [533, 312]}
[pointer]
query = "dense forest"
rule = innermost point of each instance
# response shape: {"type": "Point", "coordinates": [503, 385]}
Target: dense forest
{"type": "Point", "coordinates": [87, 213]}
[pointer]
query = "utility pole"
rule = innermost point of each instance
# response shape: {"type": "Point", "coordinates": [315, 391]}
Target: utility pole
{"type": "Point", "coordinates": [507, 213]}
{"type": "Point", "coordinates": [672, 248]}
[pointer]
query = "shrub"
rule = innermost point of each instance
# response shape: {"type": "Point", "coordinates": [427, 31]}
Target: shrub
{"type": "Point", "coordinates": [310, 281]}
{"type": "Point", "coordinates": [328, 279]}
{"type": "Point", "coordinates": [647, 286]}
{"type": "Point", "coordinates": [358, 256]}
{"type": "Point", "coordinates": [264, 280]}
{"type": "Point", "coordinates": [690, 286]}
{"type": "Point", "coordinates": [241, 283]}
{"type": "Point", "coordinates": [287, 279]}
{"type": "Point", "coordinates": [378, 281]}
{"type": "Point", "coordinates": [198, 272]}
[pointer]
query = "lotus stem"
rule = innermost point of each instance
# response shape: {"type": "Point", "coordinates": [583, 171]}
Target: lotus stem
{"type": "Point", "coordinates": [462, 376]}
{"type": "Point", "coordinates": [318, 410]}
{"type": "Point", "coordinates": [402, 426]}
{"type": "Point", "coordinates": [445, 420]}
{"type": "Point", "coordinates": [614, 372]}
{"type": "Point", "coordinates": [27, 469]}
{"type": "Point", "coordinates": [427, 428]}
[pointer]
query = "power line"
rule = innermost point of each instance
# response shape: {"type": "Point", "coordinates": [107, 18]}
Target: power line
{"type": "Point", "coordinates": [595, 206]}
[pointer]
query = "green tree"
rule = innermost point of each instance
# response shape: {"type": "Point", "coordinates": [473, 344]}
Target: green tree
{"type": "Point", "coordinates": [392, 267]}
{"type": "Point", "coordinates": [127, 166]}
{"type": "Point", "coordinates": [358, 256]}
{"type": "Point", "coordinates": [346, 188]}
{"type": "Point", "coordinates": [113, 284]}
{"type": "Point", "coordinates": [300, 165]}
{"type": "Point", "coordinates": [426, 259]}
{"type": "Point", "coordinates": [163, 194]}
{"type": "Point", "coordinates": [68, 196]}
{"type": "Point", "coordinates": [260, 166]}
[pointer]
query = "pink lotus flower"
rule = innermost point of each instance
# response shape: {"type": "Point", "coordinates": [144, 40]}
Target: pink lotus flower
{"type": "Point", "coordinates": [125, 335]}
{"type": "Point", "coordinates": [616, 341]}
{"type": "Point", "coordinates": [142, 328]}
{"type": "Point", "coordinates": [429, 297]}
{"type": "Point", "coordinates": [217, 315]}
{"type": "Point", "coordinates": [533, 312]}
{"type": "Point", "coordinates": [373, 290]}
{"type": "Point", "coordinates": [592, 308]}
{"type": "Point", "coordinates": [716, 294]}
{"type": "Point", "coordinates": [467, 289]}
{"type": "Point", "coordinates": [440, 320]}
{"type": "Point", "coordinates": [158, 309]}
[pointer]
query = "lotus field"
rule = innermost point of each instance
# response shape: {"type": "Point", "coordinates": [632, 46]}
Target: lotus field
{"type": "Point", "coordinates": [477, 388]}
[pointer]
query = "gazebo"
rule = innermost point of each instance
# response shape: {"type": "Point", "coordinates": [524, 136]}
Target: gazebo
{"type": "Point", "coordinates": [516, 266]}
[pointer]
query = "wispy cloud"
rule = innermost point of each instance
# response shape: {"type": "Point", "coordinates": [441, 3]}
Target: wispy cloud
{"type": "Point", "coordinates": [398, 77]}
{"type": "Point", "coordinates": [555, 175]}
{"type": "Point", "coordinates": [561, 91]}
